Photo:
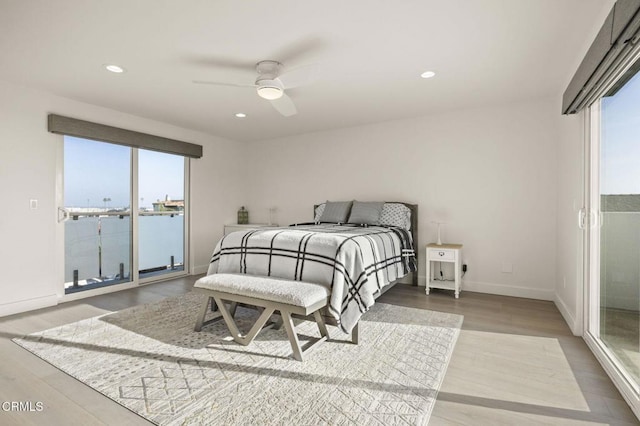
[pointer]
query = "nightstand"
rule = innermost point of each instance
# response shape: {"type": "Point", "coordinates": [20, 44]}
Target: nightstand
{"type": "Point", "coordinates": [245, 227]}
{"type": "Point", "coordinates": [451, 253]}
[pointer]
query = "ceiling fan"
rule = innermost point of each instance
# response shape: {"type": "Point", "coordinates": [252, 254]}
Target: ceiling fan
{"type": "Point", "coordinates": [272, 82]}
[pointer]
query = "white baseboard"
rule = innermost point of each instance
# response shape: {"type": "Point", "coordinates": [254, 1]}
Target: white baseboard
{"type": "Point", "coordinates": [201, 269]}
{"type": "Point", "coordinates": [502, 289]}
{"type": "Point", "coordinates": [508, 290]}
{"type": "Point", "coordinates": [28, 305]}
{"type": "Point", "coordinates": [571, 321]}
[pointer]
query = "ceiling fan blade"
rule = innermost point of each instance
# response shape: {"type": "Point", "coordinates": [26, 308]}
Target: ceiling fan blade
{"type": "Point", "coordinates": [217, 83]}
{"type": "Point", "coordinates": [285, 106]}
{"type": "Point", "coordinates": [292, 53]}
{"type": "Point", "coordinates": [220, 62]}
{"type": "Point", "coordinates": [300, 76]}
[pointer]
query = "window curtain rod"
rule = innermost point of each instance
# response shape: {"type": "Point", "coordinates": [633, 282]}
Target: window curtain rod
{"type": "Point", "coordinates": [613, 49]}
{"type": "Point", "coordinates": [86, 129]}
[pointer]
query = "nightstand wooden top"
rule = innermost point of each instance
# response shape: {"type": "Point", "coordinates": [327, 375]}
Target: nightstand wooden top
{"type": "Point", "coordinates": [444, 246]}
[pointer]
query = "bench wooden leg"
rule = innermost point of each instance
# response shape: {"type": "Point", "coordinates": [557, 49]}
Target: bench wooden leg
{"type": "Point", "coordinates": [233, 327]}
{"type": "Point", "coordinates": [298, 352]}
{"type": "Point", "coordinates": [291, 333]}
{"type": "Point", "coordinates": [321, 325]}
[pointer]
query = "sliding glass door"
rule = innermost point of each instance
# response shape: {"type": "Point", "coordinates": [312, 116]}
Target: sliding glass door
{"type": "Point", "coordinates": [614, 243]}
{"type": "Point", "coordinates": [124, 214]}
{"type": "Point", "coordinates": [97, 209]}
{"type": "Point", "coordinates": [161, 224]}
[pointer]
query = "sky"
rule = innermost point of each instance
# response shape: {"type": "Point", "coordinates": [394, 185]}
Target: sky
{"type": "Point", "coordinates": [620, 140]}
{"type": "Point", "coordinates": [95, 171]}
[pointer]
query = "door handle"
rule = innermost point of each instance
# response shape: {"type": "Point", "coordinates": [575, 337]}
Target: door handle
{"type": "Point", "coordinates": [582, 213]}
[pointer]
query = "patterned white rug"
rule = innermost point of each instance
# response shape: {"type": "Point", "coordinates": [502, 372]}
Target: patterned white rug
{"type": "Point", "coordinates": [149, 359]}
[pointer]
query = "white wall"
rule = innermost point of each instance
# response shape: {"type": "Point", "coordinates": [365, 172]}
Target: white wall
{"type": "Point", "coordinates": [570, 152]}
{"type": "Point", "coordinates": [28, 170]}
{"type": "Point", "coordinates": [489, 173]}
{"type": "Point", "coordinates": [569, 271]}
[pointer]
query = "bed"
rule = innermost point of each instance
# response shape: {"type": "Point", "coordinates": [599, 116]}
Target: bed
{"type": "Point", "coordinates": [357, 250]}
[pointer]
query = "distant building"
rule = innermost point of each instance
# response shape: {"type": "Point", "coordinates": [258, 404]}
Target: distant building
{"type": "Point", "coordinates": [168, 205]}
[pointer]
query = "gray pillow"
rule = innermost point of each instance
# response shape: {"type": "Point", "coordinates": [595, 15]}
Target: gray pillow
{"type": "Point", "coordinates": [336, 212]}
{"type": "Point", "coordinates": [367, 213]}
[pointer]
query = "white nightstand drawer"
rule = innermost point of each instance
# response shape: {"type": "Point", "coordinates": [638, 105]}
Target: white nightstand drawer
{"type": "Point", "coordinates": [442, 254]}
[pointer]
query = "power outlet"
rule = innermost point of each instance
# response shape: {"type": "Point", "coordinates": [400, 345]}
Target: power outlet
{"type": "Point", "coordinates": [464, 268]}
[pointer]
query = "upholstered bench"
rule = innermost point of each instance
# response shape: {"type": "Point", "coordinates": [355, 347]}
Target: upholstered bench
{"type": "Point", "coordinates": [288, 297]}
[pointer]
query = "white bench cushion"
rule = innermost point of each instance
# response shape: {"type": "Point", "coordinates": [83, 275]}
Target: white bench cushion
{"type": "Point", "coordinates": [297, 293]}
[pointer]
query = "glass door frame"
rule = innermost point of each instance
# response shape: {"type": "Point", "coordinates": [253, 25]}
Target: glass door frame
{"type": "Point", "coordinates": [591, 221]}
{"type": "Point", "coordinates": [185, 230]}
{"type": "Point", "coordinates": [135, 279]}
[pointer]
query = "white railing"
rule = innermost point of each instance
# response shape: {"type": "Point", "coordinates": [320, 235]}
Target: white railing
{"type": "Point", "coordinates": [620, 257]}
{"type": "Point", "coordinates": [97, 245]}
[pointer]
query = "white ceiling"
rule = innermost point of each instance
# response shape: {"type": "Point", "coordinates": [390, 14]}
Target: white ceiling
{"type": "Point", "coordinates": [369, 54]}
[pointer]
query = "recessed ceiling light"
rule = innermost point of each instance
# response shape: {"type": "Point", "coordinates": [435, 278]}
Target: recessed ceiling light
{"type": "Point", "coordinates": [427, 74]}
{"type": "Point", "coordinates": [241, 115]}
{"type": "Point", "coordinates": [114, 68]}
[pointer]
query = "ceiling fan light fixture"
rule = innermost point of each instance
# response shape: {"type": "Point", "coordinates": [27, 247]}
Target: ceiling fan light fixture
{"type": "Point", "coordinates": [269, 88]}
{"type": "Point", "coordinates": [114, 68]}
{"type": "Point", "coordinates": [270, 93]}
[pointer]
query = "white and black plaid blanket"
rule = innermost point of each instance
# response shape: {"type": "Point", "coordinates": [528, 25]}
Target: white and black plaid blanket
{"type": "Point", "coordinates": [354, 262]}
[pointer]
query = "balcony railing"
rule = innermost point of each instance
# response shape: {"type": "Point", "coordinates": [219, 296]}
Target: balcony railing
{"type": "Point", "coordinates": [98, 246]}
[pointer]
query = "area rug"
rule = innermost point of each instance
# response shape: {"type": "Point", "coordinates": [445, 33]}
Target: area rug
{"type": "Point", "coordinates": [149, 359]}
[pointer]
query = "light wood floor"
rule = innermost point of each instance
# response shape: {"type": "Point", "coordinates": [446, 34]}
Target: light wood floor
{"type": "Point", "coordinates": [515, 363]}
{"type": "Point", "coordinates": [620, 331]}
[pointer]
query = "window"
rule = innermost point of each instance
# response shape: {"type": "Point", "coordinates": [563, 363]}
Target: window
{"type": "Point", "coordinates": [124, 204]}
{"type": "Point", "coordinates": [613, 311]}
{"type": "Point", "coordinates": [113, 225]}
